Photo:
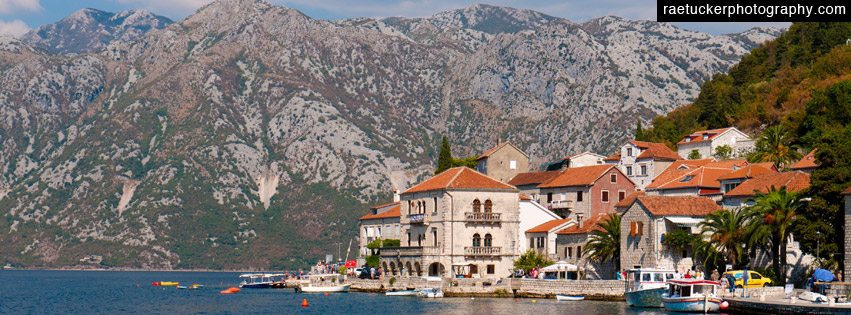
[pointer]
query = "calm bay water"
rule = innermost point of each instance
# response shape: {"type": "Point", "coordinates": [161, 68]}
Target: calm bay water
{"type": "Point", "coordinates": [116, 292]}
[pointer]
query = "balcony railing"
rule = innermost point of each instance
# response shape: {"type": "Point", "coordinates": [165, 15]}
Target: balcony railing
{"type": "Point", "coordinates": [482, 251]}
{"type": "Point", "coordinates": [482, 216]}
{"type": "Point", "coordinates": [416, 218]}
{"type": "Point", "coordinates": [560, 204]}
{"type": "Point", "coordinates": [410, 251]}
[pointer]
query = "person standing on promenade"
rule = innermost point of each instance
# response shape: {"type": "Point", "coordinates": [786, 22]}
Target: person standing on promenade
{"type": "Point", "coordinates": [724, 282]}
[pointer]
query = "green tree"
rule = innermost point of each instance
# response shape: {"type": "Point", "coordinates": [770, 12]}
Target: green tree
{"type": "Point", "coordinates": [604, 243]}
{"type": "Point", "coordinates": [679, 239]}
{"type": "Point", "coordinates": [469, 162]}
{"type": "Point", "coordinates": [639, 134]}
{"type": "Point", "coordinates": [725, 232]}
{"type": "Point", "coordinates": [531, 260]}
{"type": "Point", "coordinates": [694, 155]}
{"type": "Point", "coordinates": [723, 152]}
{"type": "Point", "coordinates": [774, 145]}
{"type": "Point", "coordinates": [776, 214]}
{"type": "Point", "coordinates": [444, 157]}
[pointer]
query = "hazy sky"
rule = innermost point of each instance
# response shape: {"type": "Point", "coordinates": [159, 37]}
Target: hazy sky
{"type": "Point", "coordinates": [18, 16]}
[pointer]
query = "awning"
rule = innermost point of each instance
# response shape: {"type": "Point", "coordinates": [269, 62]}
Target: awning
{"type": "Point", "coordinates": [560, 266]}
{"type": "Point", "coordinates": [683, 221]}
{"type": "Point", "coordinates": [461, 264]}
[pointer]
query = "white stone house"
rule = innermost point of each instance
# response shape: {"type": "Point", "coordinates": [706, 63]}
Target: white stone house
{"type": "Point", "coordinates": [542, 238]}
{"type": "Point", "coordinates": [381, 223]}
{"type": "Point", "coordinates": [643, 161]}
{"type": "Point", "coordinates": [532, 214]}
{"type": "Point", "coordinates": [570, 244]}
{"type": "Point", "coordinates": [706, 141]}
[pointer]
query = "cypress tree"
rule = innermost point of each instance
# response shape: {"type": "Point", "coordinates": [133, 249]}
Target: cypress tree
{"type": "Point", "coordinates": [444, 157]}
{"type": "Point", "coordinates": [639, 132]}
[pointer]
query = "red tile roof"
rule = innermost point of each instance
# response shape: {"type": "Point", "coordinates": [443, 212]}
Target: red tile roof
{"type": "Point", "coordinates": [579, 176]}
{"type": "Point", "coordinates": [847, 191]}
{"type": "Point", "coordinates": [384, 205]}
{"type": "Point", "coordinates": [678, 205]}
{"type": "Point", "coordinates": [794, 181]}
{"type": "Point", "coordinates": [704, 176]}
{"type": "Point", "coordinates": [588, 225]}
{"type": "Point", "coordinates": [655, 151]}
{"type": "Point", "coordinates": [524, 197]}
{"type": "Point", "coordinates": [698, 136]}
{"type": "Point", "coordinates": [807, 162]}
{"type": "Point", "coordinates": [626, 202]}
{"type": "Point", "coordinates": [497, 147]}
{"type": "Point", "coordinates": [533, 178]}
{"type": "Point", "coordinates": [615, 157]}
{"type": "Point", "coordinates": [459, 178]}
{"type": "Point", "coordinates": [547, 226]}
{"type": "Point", "coordinates": [688, 164]}
{"type": "Point", "coordinates": [747, 172]}
{"type": "Point", "coordinates": [394, 212]}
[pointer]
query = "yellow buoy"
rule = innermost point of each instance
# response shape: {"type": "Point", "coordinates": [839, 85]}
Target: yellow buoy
{"type": "Point", "coordinates": [533, 301]}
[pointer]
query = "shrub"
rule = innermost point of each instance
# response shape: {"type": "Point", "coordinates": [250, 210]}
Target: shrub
{"type": "Point", "coordinates": [392, 281]}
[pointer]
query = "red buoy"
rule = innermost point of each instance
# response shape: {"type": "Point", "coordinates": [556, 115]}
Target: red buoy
{"type": "Point", "coordinates": [304, 303]}
{"type": "Point", "coordinates": [326, 293]}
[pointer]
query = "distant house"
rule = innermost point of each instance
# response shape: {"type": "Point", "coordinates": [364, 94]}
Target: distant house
{"type": "Point", "coordinates": [532, 214]}
{"type": "Point", "coordinates": [528, 183]}
{"type": "Point", "coordinates": [586, 191]}
{"type": "Point", "coordinates": [576, 160]}
{"type": "Point", "coordinates": [503, 162]}
{"type": "Point", "coordinates": [794, 181]}
{"type": "Point", "coordinates": [643, 161]}
{"type": "Point", "coordinates": [693, 178]}
{"type": "Point", "coordinates": [649, 218]}
{"type": "Point", "coordinates": [542, 238]}
{"type": "Point", "coordinates": [381, 223]}
{"type": "Point", "coordinates": [706, 141]}
{"type": "Point", "coordinates": [807, 164]}
{"type": "Point", "coordinates": [735, 178]}
{"type": "Point", "coordinates": [570, 242]}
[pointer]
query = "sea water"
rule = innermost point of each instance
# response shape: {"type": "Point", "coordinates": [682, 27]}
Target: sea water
{"type": "Point", "coordinates": [131, 292]}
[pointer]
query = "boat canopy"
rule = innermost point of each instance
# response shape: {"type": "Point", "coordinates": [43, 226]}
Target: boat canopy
{"type": "Point", "coordinates": [561, 266]}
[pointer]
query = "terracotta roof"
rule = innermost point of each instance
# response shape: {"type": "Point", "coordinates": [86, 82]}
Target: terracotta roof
{"type": "Point", "coordinates": [459, 178]}
{"type": "Point", "coordinates": [808, 161]}
{"type": "Point", "coordinates": [394, 212]}
{"type": "Point", "coordinates": [847, 191]}
{"type": "Point", "coordinates": [747, 172]}
{"type": "Point", "coordinates": [698, 136]}
{"type": "Point", "coordinates": [384, 205]}
{"type": "Point", "coordinates": [497, 147]}
{"type": "Point", "coordinates": [547, 226]}
{"type": "Point", "coordinates": [704, 176]}
{"type": "Point", "coordinates": [533, 178]}
{"type": "Point", "coordinates": [794, 181]}
{"type": "Point", "coordinates": [615, 157]}
{"type": "Point", "coordinates": [688, 164]}
{"type": "Point", "coordinates": [588, 225]}
{"type": "Point", "coordinates": [579, 176]}
{"type": "Point", "coordinates": [655, 150]}
{"type": "Point", "coordinates": [524, 197]}
{"type": "Point", "coordinates": [678, 205]}
{"type": "Point", "coordinates": [626, 202]}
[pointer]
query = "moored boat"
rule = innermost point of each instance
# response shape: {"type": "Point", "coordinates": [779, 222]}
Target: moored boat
{"type": "Point", "coordinates": [431, 293]}
{"type": "Point", "coordinates": [325, 283]}
{"type": "Point", "coordinates": [691, 295]}
{"type": "Point", "coordinates": [258, 280]}
{"type": "Point", "coordinates": [402, 293]}
{"type": "Point", "coordinates": [644, 287]}
{"type": "Point", "coordinates": [561, 297]}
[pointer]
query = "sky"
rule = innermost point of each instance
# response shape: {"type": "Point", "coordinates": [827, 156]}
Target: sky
{"type": "Point", "coordinates": [19, 16]}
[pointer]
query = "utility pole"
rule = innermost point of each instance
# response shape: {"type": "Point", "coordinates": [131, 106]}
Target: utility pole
{"type": "Point", "coordinates": [338, 249]}
{"type": "Point", "coordinates": [818, 248]}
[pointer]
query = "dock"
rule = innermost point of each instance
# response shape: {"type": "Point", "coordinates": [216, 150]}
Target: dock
{"type": "Point", "coordinates": [781, 304]}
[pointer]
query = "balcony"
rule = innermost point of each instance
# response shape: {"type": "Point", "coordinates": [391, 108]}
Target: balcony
{"type": "Point", "coordinates": [484, 217]}
{"type": "Point", "coordinates": [410, 251]}
{"type": "Point", "coordinates": [560, 204]}
{"type": "Point", "coordinates": [482, 251]}
{"type": "Point", "coordinates": [416, 218]}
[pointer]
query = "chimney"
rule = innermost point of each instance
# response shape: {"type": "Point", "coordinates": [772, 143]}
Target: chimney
{"type": "Point", "coordinates": [579, 218]}
{"type": "Point", "coordinates": [396, 195]}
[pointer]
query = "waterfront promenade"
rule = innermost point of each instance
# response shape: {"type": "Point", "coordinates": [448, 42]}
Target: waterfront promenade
{"type": "Point", "coordinates": [610, 290]}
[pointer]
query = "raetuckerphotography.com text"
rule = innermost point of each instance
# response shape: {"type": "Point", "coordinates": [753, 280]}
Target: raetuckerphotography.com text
{"type": "Point", "coordinates": [751, 11]}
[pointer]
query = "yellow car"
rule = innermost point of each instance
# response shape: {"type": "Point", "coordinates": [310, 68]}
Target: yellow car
{"type": "Point", "coordinates": [755, 279]}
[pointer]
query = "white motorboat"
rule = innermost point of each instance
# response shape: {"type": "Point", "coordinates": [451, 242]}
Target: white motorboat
{"type": "Point", "coordinates": [560, 297]}
{"type": "Point", "coordinates": [644, 287]}
{"type": "Point", "coordinates": [325, 283]}
{"type": "Point", "coordinates": [402, 293]}
{"type": "Point", "coordinates": [692, 295]}
{"type": "Point", "coordinates": [258, 280]}
{"type": "Point", "coordinates": [431, 293]}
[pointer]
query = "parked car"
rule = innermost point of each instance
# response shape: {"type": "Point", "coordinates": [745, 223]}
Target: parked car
{"type": "Point", "coordinates": [755, 279]}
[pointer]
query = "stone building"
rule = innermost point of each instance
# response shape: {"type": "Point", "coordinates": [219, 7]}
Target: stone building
{"type": "Point", "coordinates": [807, 164]}
{"type": "Point", "coordinates": [542, 238]}
{"type": "Point", "coordinates": [576, 160]}
{"type": "Point", "coordinates": [570, 242]}
{"type": "Point", "coordinates": [649, 218]}
{"type": "Point", "coordinates": [739, 196]}
{"type": "Point", "coordinates": [381, 223]}
{"type": "Point", "coordinates": [459, 222]}
{"type": "Point", "coordinates": [705, 142]}
{"type": "Point", "coordinates": [503, 162]}
{"type": "Point", "coordinates": [643, 161]}
{"type": "Point", "coordinates": [528, 183]}
{"type": "Point", "coordinates": [586, 191]}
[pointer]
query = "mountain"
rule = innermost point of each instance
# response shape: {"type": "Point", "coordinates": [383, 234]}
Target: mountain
{"type": "Point", "coordinates": [89, 30]}
{"type": "Point", "coordinates": [253, 136]}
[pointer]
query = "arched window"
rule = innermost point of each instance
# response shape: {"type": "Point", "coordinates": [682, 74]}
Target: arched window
{"type": "Point", "coordinates": [488, 206]}
{"type": "Point", "coordinates": [477, 240]}
{"type": "Point", "coordinates": [488, 240]}
{"type": "Point", "coordinates": [477, 205]}
{"type": "Point", "coordinates": [410, 207]}
{"type": "Point", "coordinates": [419, 207]}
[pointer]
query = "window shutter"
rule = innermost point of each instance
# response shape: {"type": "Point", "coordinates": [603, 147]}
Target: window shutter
{"type": "Point", "coordinates": [640, 231]}
{"type": "Point", "coordinates": [632, 228]}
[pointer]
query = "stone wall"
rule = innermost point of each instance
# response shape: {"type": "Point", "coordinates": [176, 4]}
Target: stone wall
{"type": "Point", "coordinates": [591, 289]}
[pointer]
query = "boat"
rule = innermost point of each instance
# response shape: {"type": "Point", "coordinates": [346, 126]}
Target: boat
{"type": "Point", "coordinates": [402, 293]}
{"type": "Point", "coordinates": [325, 283]}
{"type": "Point", "coordinates": [644, 287]}
{"type": "Point", "coordinates": [692, 295]}
{"type": "Point", "coordinates": [561, 297]}
{"type": "Point", "coordinates": [165, 283]}
{"type": "Point", "coordinates": [258, 280]}
{"type": "Point", "coordinates": [813, 297]}
{"type": "Point", "coordinates": [431, 293]}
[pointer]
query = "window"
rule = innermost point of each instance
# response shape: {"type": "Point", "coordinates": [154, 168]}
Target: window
{"type": "Point", "coordinates": [755, 276]}
{"type": "Point", "coordinates": [645, 277]}
{"type": "Point", "coordinates": [632, 227]}
{"type": "Point", "coordinates": [578, 252]}
{"type": "Point", "coordinates": [566, 251]}
{"type": "Point", "coordinates": [613, 177]}
{"type": "Point", "coordinates": [686, 179]}
{"type": "Point", "coordinates": [578, 196]}
{"type": "Point", "coordinates": [705, 137]}
{"type": "Point", "coordinates": [488, 206]}
{"type": "Point", "coordinates": [569, 252]}
{"type": "Point", "coordinates": [532, 242]}
{"type": "Point", "coordinates": [410, 206]}
{"type": "Point", "coordinates": [605, 196]}
{"type": "Point", "coordinates": [644, 170]}
{"type": "Point", "coordinates": [621, 195]}
{"type": "Point", "coordinates": [685, 253]}
{"type": "Point", "coordinates": [629, 171]}
{"type": "Point", "coordinates": [628, 151]}
{"type": "Point", "coordinates": [409, 239]}
{"type": "Point", "coordinates": [434, 236]}
{"type": "Point", "coordinates": [378, 234]}
{"type": "Point", "coordinates": [640, 230]}
{"type": "Point", "coordinates": [491, 269]}
{"type": "Point", "coordinates": [512, 164]}
{"type": "Point", "coordinates": [540, 242]}
{"type": "Point", "coordinates": [420, 240]}
{"type": "Point", "coordinates": [729, 187]}
{"type": "Point", "coordinates": [435, 205]}
{"type": "Point", "coordinates": [549, 197]}
{"type": "Point", "coordinates": [477, 240]}
{"type": "Point", "coordinates": [477, 205]}
{"type": "Point", "coordinates": [659, 277]}
{"type": "Point", "coordinates": [488, 240]}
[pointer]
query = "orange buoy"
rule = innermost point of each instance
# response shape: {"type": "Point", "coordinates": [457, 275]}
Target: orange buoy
{"type": "Point", "coordinates": [516, 300]}
{"type": "Point", "coordinates": [137, 285]}
{"type": "Point", "coordinates": [304, 303]}
{"type": "Point", "coordinates": [326, 293]}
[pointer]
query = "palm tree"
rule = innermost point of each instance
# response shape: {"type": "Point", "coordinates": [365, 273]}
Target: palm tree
{"type": "Point", "coordinates": [726, 232]}
{"type": "Point", "coordinates": [604, 242]}
{"type": "Point", "coordinates": [776, 213]}
{"type": "Point", "coordinates": [774, 146]}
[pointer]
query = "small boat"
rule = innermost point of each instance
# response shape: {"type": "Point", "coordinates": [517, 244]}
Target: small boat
{"type": "Point", "coordinates": [644, 287]}
{"type": "Point", "coordinates": [692, 295]}
{"type": "Point", "coordinates": [165, 283]}
{"type": "Point", "coordinates": [325, 283]}
{"type": "Point", "coordinates": [196, 286]}
{"type": "Point", "coordinates": [560, 297]}
{"type": "Point", "coordinates": [402, 293]}
{"type": "Point", "coordinates": [431, 293]}
{"type": "Point", "coordinates": [258, 280]}
{"type": "Point", "coordinates": [182, 287]}
{"type": "Point", "coordinates": [813, 297]}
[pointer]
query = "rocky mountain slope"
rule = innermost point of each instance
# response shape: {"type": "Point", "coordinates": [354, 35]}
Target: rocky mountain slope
{"type": "Point", "coordinates": [89, 30]}
{"type": "Point", "coordinates": [249, 135]}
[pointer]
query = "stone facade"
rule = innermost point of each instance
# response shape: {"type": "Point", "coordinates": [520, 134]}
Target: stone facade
{"type": "Point", "coordinates": [372, 229]}
{"type": "Point", "coordinates": [532, 214]}
{"type": "Point", "coordinates": [706, 141]}
{"type": "Point", "coordinates": [569, 249]}
{"type": "Point", "coordinates": [588, 199]}
{"type": "Point", "coordinates": [503, 162]}
{"type": "Point", "coordinates": [643, 168]}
